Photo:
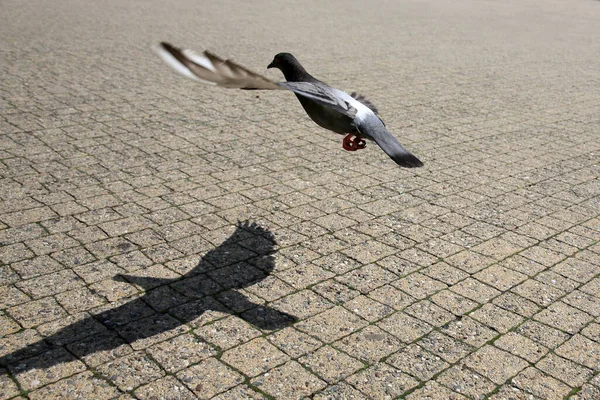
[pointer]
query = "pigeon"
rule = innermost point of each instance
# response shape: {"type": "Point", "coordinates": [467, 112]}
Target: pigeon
{"type": "Point", "coordinates": [333, 109]}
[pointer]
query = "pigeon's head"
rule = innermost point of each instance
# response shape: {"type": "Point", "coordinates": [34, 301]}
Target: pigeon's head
{"type": "Point", "coordinates": [283, 61]}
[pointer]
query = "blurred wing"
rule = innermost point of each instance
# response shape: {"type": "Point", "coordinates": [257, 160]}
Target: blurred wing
{"type": "Point", "coordinates": [213, 70]}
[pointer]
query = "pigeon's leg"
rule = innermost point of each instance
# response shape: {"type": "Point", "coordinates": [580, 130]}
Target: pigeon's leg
{"type": "Point", "coordinates": [360, 143]}
{"type": "Point", "coordinates": [349, 144]}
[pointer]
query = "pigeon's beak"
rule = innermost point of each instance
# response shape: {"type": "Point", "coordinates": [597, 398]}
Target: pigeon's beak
{"type": "Point", "coordinates": [272, 65]}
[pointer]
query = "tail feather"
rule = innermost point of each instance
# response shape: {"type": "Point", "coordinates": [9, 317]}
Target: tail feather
{"type": "Point", "coordinates": [374, 129]}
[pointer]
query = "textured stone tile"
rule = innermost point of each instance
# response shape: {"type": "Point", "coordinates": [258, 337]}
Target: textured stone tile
{"type": "Point", "coordinates": [429, 312]}
{"type": "Point", "coordinates": [538, 292]}
{"type": "Point", "coordinates": [367, 308]}
{"type": "Point", "coordinates": [448, 348]}
{"type": "Point", "coordinates": [37, 312]}
{"type": "Point", "coordinates": [434, 391]}
{"type": "Point", "coordinates": [381, 380]}
{"type": "Point", "coordinates": [131, 371]}
{"type": "Point", "coordinates": [404, 327]}
{"type": "Point", "coordinates": [209, 378]}
{"type": "Point", "coordinates": [180, 352]}
{"type": "Point", "coordinates": [562, 369]}
{"type": "Point", "coordinates": [8, 388]}
{"type": "Point", "coordinates": [84, 385]}
{"type": "Point", "coordinates": [496, 318]}
{"type": "Point", "coordinates": [564, 317]}
{"type": "Point", "coordinates": [367, 278]}
{"type": "Point", "coordinates": [475, 290]}
{"type": "Point", "coordinates": [495, 364]}
{"type": "Point", "coordinates": [45, 368]}
{"type": "Point", "coordinates": [419, 286]}
{"type": "Point", "coordinates": [370, 344]}
{"type": "Point", "coordinates": [240, 392]}
{"type": "Point", "coordinates": [293, 342]}
{"type": "Point", "coordinates": [255, 357]}
{"type": "Point", "coordinates": [500, 278]}
{"type": "Point", "coordinates": [392, 297]}
{"type": "Point", "coordinates": [164, 388]}
{"type": "Point", "coordinates": [464, 381]}
{"type": "Point", "coordinates": [582, 351]}
{"type": "Point", "coordinates": [340, 390]}
{"type": "Point", "coordinates": [445, 273]}
{"type": "Point", "coordinates": [453, 302]}
{"type": "Point", "coordinates": [417, 362]}
{"type": "Point", "coordinates": [332, 324]}
{"type": "Point", "coordinates": [521, 346]}
{"type": "Point", "coordinates": [535, 381]}
{"type": "Point", "coordinates": [470, 331]}
{"type": "Point", "coordinates": [228, 332]}
{"type": "Point", "coordinates": [330, 364]}
{"type": "Point", "coordinates": [543, 334]}
{"type": "Point", "coordinates": [289, 381]}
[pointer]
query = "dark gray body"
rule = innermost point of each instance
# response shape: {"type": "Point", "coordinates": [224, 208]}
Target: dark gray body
{"type": "Point", "coordinates": [327, 117]}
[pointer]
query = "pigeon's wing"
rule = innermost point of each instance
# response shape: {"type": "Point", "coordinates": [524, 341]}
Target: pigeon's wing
{"type": "Point", "coordinates": [373, 128]}
{"type": "Point", "coordinates": [323, 94]}
{"type": "Point", "coordinates": [211, 69]}
{"type": "Point", "coordinates": [365, 101]}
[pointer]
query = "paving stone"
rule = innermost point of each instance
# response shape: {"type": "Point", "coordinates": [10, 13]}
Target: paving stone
{"type": "Point", "coordinates": [562, 369]}
{"type": "Point", "coordinates": [228, 332]}
{"type": "Point", "coordinates": [433, 390]}
{"type": "Point", "coordinates": [83, 385]}
{"type": "Point", "coordinates": [45, 368]}
{"type": "Point", "coordinates": [475, 290]}
{"type": "Point", "coordinates": [414, 360]}
{"type": "Point", "coordinates": [131, 371]}
{"type": "Point", "coordinates": [495, 364]}
{"type": "Point", "coordinates": [464, 381]}
{"type": "Point", "coordinates": [582, 351]}
{"type": "Point", "coordinates": [404, 327]}
{"type": "Point", "coordinates": [289, 381]}
{"type": "Point", "coordinates": [293, 342]}
{"type": "Point", "coordinates": [429, 312]}
{"type": "Point", "coordinates": [521, 346]}
{"type": "Point", "coordinates": [516, 304]}
{"type": "Point", "coordinates": [340, 390]}
{"type": "Point", "coordinates": [370, 310]}
{"type": "Point", "coordinates": [180, 352]}
{"type": "Point", "coordinates": [332, 324]}
{"type": "Point", "coordinates": [381, 381]}
{"type": "Point", "coordinates": [543, 334]}
{"type": "Point", "coordinates": [445, 346]}
{"type": "Point", "coordinates": [534, 381]}
{"type": "Point", "coordinates": [330, 364]}
{"type": "Point", "coordinates": [564, 317]}
{"type": "Point", "coordinates": [369, 345]}
{"type": "Point", "coordinates": [255, 357]}
{"type": "Point", "coordinates": [37, 312]}
{"type": "Point", "coordinates": [165, 388]}
{"type": "Point", "coordinates": [496, 318]}
{"type": "Point", "coordinates": [209, 378]}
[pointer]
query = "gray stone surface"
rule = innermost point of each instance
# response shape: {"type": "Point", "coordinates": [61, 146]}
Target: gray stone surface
{"type": "Point", "coordinates": [122, 272]}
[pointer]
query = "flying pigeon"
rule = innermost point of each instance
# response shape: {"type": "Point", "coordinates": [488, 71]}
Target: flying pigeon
{"type": "Point", "coordinates": [333, 109]}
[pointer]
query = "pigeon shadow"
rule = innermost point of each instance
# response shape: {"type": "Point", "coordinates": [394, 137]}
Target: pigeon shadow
{"type": "Point", "coordinates": [243, 259]}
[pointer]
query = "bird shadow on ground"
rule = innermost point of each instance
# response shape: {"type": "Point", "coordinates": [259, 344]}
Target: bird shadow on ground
{"type": "Point", "coordinates": [245, 258]}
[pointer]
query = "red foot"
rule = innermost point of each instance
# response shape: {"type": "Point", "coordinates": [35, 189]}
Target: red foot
{"type": "Point", "coordinates": [352, 143]}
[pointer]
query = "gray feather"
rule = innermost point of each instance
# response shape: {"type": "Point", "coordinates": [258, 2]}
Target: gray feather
{"type": "Point", "coordinates": [373, 128]}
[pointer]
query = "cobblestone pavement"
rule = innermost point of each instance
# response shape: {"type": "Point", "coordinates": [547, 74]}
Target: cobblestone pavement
{"type": "Point", "coordinates": [162, 239]}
